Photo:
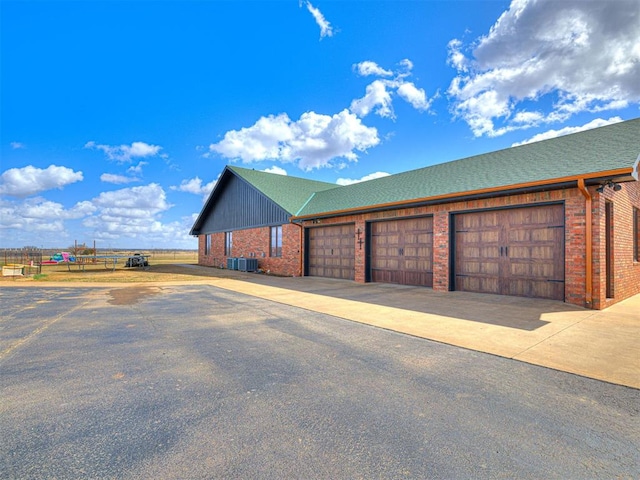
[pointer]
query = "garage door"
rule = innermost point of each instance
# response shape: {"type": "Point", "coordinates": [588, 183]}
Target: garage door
{"type": "Point", "coordinates": [511, 252]}
{"type": "Point", "coordinates": [331, 251]}
{"type": "Point", "coordinates": [402, 251]}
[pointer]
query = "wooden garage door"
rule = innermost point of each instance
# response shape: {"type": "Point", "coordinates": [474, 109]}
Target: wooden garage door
{"type": "Point", "coordinates": [511, 252]}
{"type": "Point", "coordinates": [331, 252]}
{"type": "Point", "coordinates": [402, 251]}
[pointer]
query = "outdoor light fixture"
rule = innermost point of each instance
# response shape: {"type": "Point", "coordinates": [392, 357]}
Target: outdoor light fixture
{"type": "Point", "coordinates": [609, 183]}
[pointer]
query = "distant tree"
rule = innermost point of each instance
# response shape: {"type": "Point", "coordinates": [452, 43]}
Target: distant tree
{"type": "Point", "coordinates": [80, 249]}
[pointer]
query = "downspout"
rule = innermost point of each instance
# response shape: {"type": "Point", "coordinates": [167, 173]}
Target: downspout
{"type": "Point", "coordinates": [589, 243]}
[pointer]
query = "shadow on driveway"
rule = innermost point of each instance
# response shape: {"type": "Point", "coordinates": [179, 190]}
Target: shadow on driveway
{"type": "Point", "coordinates": [513, 312]}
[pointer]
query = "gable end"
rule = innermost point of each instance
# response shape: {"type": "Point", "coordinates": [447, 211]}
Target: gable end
{"type": "Point", "coordinates": [235, 205]}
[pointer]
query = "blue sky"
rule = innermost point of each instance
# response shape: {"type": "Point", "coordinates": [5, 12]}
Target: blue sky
{"type": "Point", "coordinates": [118, 117]}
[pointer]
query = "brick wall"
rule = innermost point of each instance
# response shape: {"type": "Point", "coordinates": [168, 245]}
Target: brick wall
{"type": "Point", "coordinates": [255, 243]}
{"type": "Point", "coordinates": [626, 272]}
{"type": "Point", "coordinates": [361, 252]}
{"type": "Point", "coordinates": [575, 249]}
{"type": "Point", "coordinates": [215, 258]}
{"type": "Point", "coordinates": [441, 250]}
{"type": "Point", "coordinates": [627, 276]}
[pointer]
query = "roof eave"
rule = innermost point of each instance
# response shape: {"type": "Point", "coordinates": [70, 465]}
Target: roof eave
{"type": "Point", "coordinates": [620, 175]}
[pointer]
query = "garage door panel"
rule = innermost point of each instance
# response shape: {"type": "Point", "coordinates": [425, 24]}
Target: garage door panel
{"type": "Point", "coordinates": [388, 276]}
{"type": "Point", "coordinates": [419, 278]}
{"type": "Point", "coordinates": [489, 268]}
{"type": "Point", "coordinates": [424, 238]}
{"type": "Point", "coordinates": [401, 251]}
{"type": "Point", "coordinates": [411, 251]}
{"type": "Point", "coordinates": [482, 268]}
{"type": "Point", "coordinates": [531, 287]}
{"type": "Point", "coordinates": [417, 264]}
{"type": "Point", "coordinates": [380, 252]}
{"type": "Point", "coordinates": [386, 263]}
{"type": "Point", "coordinates": [477, 283]}
{"type": "Point", "coordinates": [332, 252]}
{"type": "Point", "coordinates": [476, 222]}
{"type": "Point", "coordinates": [522, 248]}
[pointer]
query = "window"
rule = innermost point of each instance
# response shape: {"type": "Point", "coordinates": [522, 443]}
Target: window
{"type": "Point", "coordinates": [228, 243]}
{"type": "Point", "coordinates": [276, 242]}
{"type": "Point", "coordinates": [636, 234]}
{"type": "Point", "coordinates": [207, 244]}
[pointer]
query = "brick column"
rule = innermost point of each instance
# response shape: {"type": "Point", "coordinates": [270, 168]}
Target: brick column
{"type": "Point", "coordinates": [360, 249]}
{"type": "Point", "coordinates": [441, 251]}
{"type": "Point", "coordinates": [575, 250]}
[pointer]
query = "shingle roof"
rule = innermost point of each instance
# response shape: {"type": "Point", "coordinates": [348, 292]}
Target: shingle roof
{"type": "Point", "coordinates": [604, 149]}
{"type": "Point", "coordinates": [291, 193]}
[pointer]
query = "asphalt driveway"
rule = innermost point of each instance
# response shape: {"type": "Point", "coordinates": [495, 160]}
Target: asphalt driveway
{"type": "Point", "coordinates": [196, 381]}
{"type": "Point", "coordinates": [601, 344]}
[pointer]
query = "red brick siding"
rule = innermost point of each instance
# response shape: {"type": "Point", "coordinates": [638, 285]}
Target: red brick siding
{"type": "Point", "coordinates": [255, 243]}
{"type": "Point", "coordinates": [575, 249]}
{"type": "Point", "coordinates": [216, 257]}
{"type": "Point", "coordinates": [627, 284]}
{"type": "Point", "coordinates": [360, 249]}
{"type": "Point", "coordinates": [626, 281]}
{"type": "Point", "coordinates": [441, 250]}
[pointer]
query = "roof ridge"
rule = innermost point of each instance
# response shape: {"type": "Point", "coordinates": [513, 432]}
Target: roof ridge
{"type": "Point", "coordinates": [288, 192]}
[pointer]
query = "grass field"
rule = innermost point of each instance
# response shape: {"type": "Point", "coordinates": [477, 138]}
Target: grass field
{"type": "Point", "coordinates": [163, 267]}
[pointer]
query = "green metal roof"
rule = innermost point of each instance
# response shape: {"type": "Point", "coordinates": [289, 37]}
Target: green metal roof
{"type": "Point", "coordinates": [601, 149]}
{"type": "Point", "coordinates": [291, 193]}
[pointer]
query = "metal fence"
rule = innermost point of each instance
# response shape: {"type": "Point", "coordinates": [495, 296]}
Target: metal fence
{"type": "Point", "coordinates": [31, 259]}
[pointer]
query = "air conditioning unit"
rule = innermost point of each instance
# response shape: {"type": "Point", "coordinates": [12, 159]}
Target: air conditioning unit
{"type": "Point", "coordinates": [232, 263]}
{"type": "Point", "coordinates": [247, 264]}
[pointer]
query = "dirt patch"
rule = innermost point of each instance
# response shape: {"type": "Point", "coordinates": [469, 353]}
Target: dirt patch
{"type": "Point", "coordinates": [131, 295]}
{"type": "Point", "coordinates": [97, 274]}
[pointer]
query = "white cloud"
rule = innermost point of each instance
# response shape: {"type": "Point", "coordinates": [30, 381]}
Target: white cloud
{"type": "Point", "coordinates": [599, 122]}
{"type": "Point", "coordinates": [127, 218]}
{"type": "Point", "coordinates": [132, 214]}
{"type": "Point", "coordinates": [371, 176]}
{"type": "Point", "coordinates": [40, 215]}
{"type": "Point", "coordinates": [128, 202]}
{"type": "Point", "coordinates": [126, 153]}
{"type": "Point", "coordinates": [17, 145]}
{"type": "Point", "coordinates": [312, 141]}
{"type": "Point", "coordinates": [117, 179]}
{"type": "Point", "coordinates": [316, 140]}
{"type": "Point", "coordinates": [137, 168]}
{"type": "Point", "coordinates": [579, 56]}
{"type": "Point", "coordinates": [455, 56]}
{"type": "Point", "coordinates": [22, 182]}
{"type": "Point", "coordinates": [326, 30]}
{"type": "Point", "coordinates": [276, 170]}
{"type": "Point", "coordinates": [414, 95]}
{"type": "Point", "coordinates": [371, 68]}
{"type": "Point", "coordinates": [195, 186]}
{"type": "Point", "coordinates": [406, 66]}
{"type": "Point", "coordinates": [377, 99]}
{"type": "Point", "coordinates": [379, 94]}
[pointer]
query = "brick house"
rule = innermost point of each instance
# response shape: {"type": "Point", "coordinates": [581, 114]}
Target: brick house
{"type": "Point", "coordinates": [557, 219]}
{"type": "Point", "coordinates": [248, 215]}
